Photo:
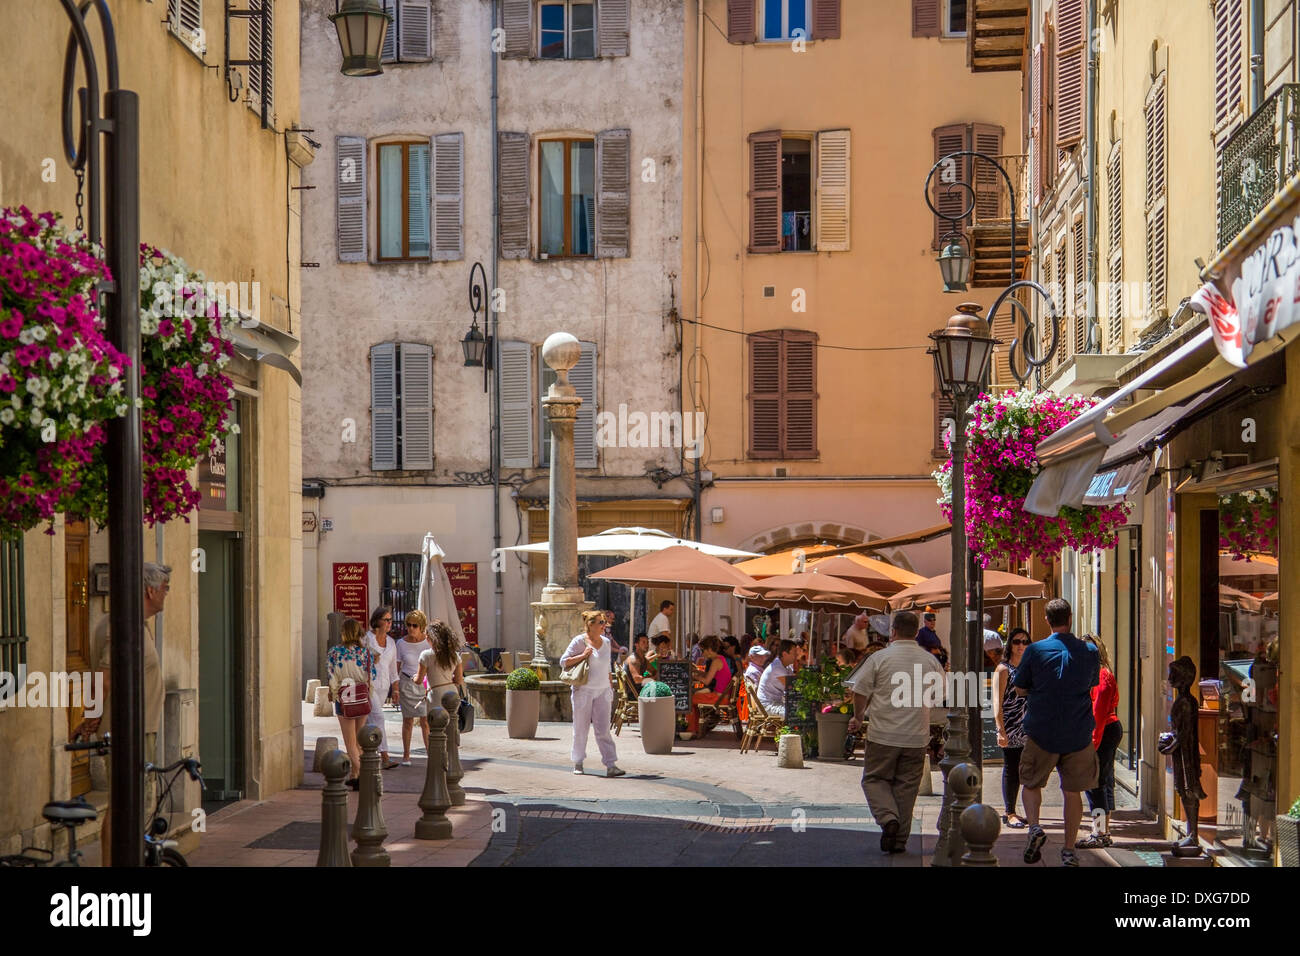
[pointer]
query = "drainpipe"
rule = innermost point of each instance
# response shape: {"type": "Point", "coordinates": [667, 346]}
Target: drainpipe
{"type": "Point", "coordinates": [698, 382]}
{"type": "Point", "coordinates": [494, 403]}
{"type": "Point", "coordinates": [1094, 323]}
{"type": "Point", "coordinates": [158, 645]}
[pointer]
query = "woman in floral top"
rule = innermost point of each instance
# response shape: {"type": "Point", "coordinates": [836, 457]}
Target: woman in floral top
{"type": "Point", "coordinates": [351, 663]}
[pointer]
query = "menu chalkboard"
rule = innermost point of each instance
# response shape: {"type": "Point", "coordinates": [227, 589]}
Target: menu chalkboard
{"type": "Point", "coordinates": [678, 675]}
{"type": "Point", "coordinates": [794, 703]}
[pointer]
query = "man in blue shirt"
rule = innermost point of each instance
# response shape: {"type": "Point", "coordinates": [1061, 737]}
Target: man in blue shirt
{"type": "Point", "coordinates": [1057, 675]}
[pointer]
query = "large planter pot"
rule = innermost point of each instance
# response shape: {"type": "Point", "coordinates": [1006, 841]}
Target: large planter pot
{"type": "Point", "coordinates": [1288, 849]}
{"type": "Point", "coordinates": [658, 719]}
{"type": "Point", "coordinates": [522, 710]}
{"type": "Point", "coordinates": [832, 728]}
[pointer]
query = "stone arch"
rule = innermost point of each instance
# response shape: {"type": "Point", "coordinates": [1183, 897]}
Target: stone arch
{"type": "Point", "coordinates": [784, 537]}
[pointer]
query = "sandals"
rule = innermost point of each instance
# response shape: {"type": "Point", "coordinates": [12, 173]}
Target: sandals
{"type": "Point", "coordinates": [1094, 841]}
{"type": "Point", "coordinates": [391, 764]}
{"type": "Point", "coordinates": [1013, 821]}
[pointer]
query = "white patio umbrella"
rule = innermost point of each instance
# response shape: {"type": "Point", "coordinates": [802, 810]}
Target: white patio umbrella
{"type": "Point", "coordinates": [436, 599]}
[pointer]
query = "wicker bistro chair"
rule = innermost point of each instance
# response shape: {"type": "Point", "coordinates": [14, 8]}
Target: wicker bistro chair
{"type": "Point", "coordinates": [726, 710]}
{"type": "Point", "coordinates": [625, 707]}
{"type": "Point", "coordinates": [761, 724]}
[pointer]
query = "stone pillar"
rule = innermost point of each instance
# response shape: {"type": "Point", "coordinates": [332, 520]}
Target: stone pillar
{"type": "Point", "coordinates": [559, 612]}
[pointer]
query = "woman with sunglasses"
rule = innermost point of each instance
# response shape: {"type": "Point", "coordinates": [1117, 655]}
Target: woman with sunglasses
{"type": "Point", "coordinates": [384, 649]}
{"type": "Point", "coordinates": [410, 694]}
{"type": "Point", "coordinates": [1009, 713]}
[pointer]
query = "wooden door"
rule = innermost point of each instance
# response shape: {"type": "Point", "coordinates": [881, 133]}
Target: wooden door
{"type": "Point", "coordinates": [76, 551]}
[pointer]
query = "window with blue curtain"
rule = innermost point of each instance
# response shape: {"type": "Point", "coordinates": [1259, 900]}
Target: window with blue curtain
{"type": "Point", "coordinates": [566, 30]}
{"type": "Point", "coordinates": [781, 18]}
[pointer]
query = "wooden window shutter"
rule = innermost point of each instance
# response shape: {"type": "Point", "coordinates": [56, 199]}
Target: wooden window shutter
{"type": "Point", "coordinates": [417, 406]}
{"type": "Point", "coordinates": [350, 205]}
{"type": "Point", "coordinates": [614, 193]}
{"type": "Point", "coordinates": [1036, 121]}
{"type": "Point", "coordinates": [765, 191]}
{"type": "Point", "coordinates": [1227, 61]}
{"type": "Point", "coordinates": [1061, 295]}
{"type": "Point", "coordinates": [925, 17]}
{"type": "Point", "coordinates": [516, 405]}
{"type": "Point", "coordinates": [1080, 309]}
{"type": "Point", "coordinates": [446, 30]}
{"type": "Point", "coordinates": [1048, 157]}
{"type": "Point", "coordinates": [831, 213]}
{"type": "Point", "coordinates": [765, 395]}
{"type": "Point", "coordinates": [583, 379]}
{"type": "Point", "coordinates": [825, 19]}
{"type": "Point", "coordinates": [256, 44]}
{"type": "Point", "coordinates": [949, 139]}
{"type": "Point", "coordinates": [799, 394]}
{"type": "Point", "coordinates": [512, 199]}
{"type": "Point", "coordinates": [1044, 330]}
{"type": "Point", "coordinates": [415, 40]}
{"type": "Point", "coordinates": [1156, 196]}
{"type": "Point", "coordinates": [989, 190]}
{"type": "Point", "coordinates": [388, 52]}
{"type": "Point", "coordinates": [517, 21]}
{"type": "Point", "coordinates": [613, 19]}
{"type": "Point", "coordinates": [1006, 329]}
{"type": "Point", "coordinates": [1115, 264]}
{"type": "Point", "coordinates": [185, 18]}
{"type": "Point", "coordinates": [383, 407]}
{"type": "Point", "coordinates": [449, 197]}
{"type": "Point", "coordinates": [742, 21]}
{"type": "Point", "coordinates": [944, 414]}
{"type": "Point", "coordinates": [1071, 54]}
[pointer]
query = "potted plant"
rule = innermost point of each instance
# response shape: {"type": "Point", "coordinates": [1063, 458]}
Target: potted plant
{"type": "Point", "coordinates": [657, 716]}
{"type": "Point", "coordinates": [822, 689]}
{"type": "Point", "coordinates": [523, 703]}
{"type": "Point", "coordinates": [1288, 828]}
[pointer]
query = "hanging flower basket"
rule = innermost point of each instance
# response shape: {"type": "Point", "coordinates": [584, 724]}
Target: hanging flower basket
{"type": "Point", "coordinates": [1001, 465]}
{"type": "Point", "coordinates": [60, 378]}
{"type": "Point", "coordinates": [1248, 523]}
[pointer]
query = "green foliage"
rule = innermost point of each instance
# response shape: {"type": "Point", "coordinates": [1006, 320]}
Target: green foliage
{"type": "Point", "coordinates": [820, 684]}
{"type": "Point", "coordinates": [656, 688]}
{"type": "Point", "coordinates": [784, 731]}
{"type": "Point", "coordinates": [1295, 809]}
{"type": "Point", "coordinates": [522, 678]}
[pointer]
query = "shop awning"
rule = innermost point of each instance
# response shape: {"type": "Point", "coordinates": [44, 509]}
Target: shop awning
{"type": "Point", "coordinates": [265, 344]}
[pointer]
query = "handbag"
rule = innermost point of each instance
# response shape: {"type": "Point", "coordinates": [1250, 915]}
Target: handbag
{"type": "Point", "coordinates": [466, 713]}
{"type": "Point", "coordinates": [575, 676]}
{"type": "Point", "coordinates": [354, 697]}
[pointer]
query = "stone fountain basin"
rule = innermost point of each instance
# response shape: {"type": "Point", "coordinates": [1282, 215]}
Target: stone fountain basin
{"type": "Point", "coordinates": [487, 692]}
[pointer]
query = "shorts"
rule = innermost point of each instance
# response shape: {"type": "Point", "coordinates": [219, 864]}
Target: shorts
{"type": "Point", "coordinates": [1078, 770]}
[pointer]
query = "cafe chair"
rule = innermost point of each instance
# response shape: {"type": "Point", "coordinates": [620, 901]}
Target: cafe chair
{"type": "Point", "coordinates": [726, 710]}
{"type": "Point", "coordinates": [761, 724]}
{"type": "Point", "coordinates": [625, 708]}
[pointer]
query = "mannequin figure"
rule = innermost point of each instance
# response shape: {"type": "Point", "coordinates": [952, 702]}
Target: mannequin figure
{"type": "Point", "coordinates": [1185, 752]}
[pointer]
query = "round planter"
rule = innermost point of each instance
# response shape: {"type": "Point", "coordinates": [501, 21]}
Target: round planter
{"type": "Point", "coordinates": [522, 710]}
{"type": "Point", "coordinates": [658, 720]}
{"type": "Point", "coordinates": [1288, 847]}
{"type": "Point", "coordinates": [832, 728]}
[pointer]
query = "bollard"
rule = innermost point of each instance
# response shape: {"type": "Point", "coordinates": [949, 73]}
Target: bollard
{"type": "Point", "coordinates": [334, 811]}
{"type": "Point", "coordinates": [979, 828]}
{"type": "Point", "coordinates": [310, 696]}
{"type": "Point", "coordinates": [435, 799]}
{"type": "Point", "coordinates": [927, 784]}
{"type": "Point", "coordinates": [455, 773]}
{"type": "Point", "coordinates": [369, 829]}
{"type": "Point", "coordinates": [324, 746]}
{"type": "Point", "coordinates": [964, 780]}
{"type": "Point", "coordinates": [789, 751]}
{"type": "Point", "coordinates": [322, 706]}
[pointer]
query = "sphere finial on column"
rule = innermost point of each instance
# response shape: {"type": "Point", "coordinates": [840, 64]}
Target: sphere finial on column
{"type": "Point", "coordinates": [561, 351]}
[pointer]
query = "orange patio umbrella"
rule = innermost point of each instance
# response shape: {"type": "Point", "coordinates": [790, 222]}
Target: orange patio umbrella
{"type": "Point", "coordinates": [1000, 587]}
{"type": "Point", "coordinates": [1256, 566]}
{"type": "Point", "coordinates": [678, 567]}
{"type": "Point", "coordinates": [813, 589]}
{"type": "Point", "coordinates": [881, 576]}
{"type": "Point", "coordinates": [783, 562]}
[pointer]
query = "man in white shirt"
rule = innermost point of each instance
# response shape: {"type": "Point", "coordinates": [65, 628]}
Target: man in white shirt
{"type": "Point", "coordinates": [660, 623]}
{"type": "Point", "coordinates": [898, 727]}
{"type": "Point", "coordinates": [771, 686]}
{"type": "Point", "coordinates": [755, 663]}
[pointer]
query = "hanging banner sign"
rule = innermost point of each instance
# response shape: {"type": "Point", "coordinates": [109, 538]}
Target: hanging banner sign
{"type": "Point", "coordinates": [464, 590]}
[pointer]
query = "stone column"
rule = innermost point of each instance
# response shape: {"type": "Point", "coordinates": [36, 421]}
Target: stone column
{"type": "Point", "coordinates": [559, 612]}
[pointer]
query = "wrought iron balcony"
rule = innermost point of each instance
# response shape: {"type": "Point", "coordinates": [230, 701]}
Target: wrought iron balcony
{"type": "Point", "coordinates": [1258, 160]}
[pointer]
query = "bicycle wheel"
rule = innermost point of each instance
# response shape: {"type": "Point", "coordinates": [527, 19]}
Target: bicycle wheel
{"type": "Point", "coordinates": [171, 857]}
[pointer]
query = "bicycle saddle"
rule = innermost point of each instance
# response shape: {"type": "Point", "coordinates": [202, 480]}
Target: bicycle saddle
{"type": "Point", "coordinates": [68, 811]}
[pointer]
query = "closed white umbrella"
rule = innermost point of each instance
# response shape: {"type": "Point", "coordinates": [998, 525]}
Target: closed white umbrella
{"type": "Point", "coordinates": [436, 599]}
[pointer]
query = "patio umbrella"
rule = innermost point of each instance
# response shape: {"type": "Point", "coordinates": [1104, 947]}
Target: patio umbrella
{"type": "Point", "coordinates": [880, 576]}
{"type": "Point", "coordinates": [1269, 602]}
{"type": "Point", "coordinates": [1230, 597]}
{"type": "Point", "coordinates": [436, 599]}
{"type": "Point", "coordinates": [632, 543]}
{"type": "Point", "coordinates": [678, 567]}
{"type": "Point", "coordinates": [812, 589]}
{"type": "Point", "coordinates": [782, 562]}
{"type": "Point", "coordinates": [1256, 566]}
{"type": "Point", "coordinates": [1000, 587]}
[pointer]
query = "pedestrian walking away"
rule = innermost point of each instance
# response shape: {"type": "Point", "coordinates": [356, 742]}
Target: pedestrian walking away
{"type": "Point", "coordinates": [351, 668]}
{"type": "Point", "coordinates": [898, 729]}
{"type": "Point", "coordinates": [1057, 675]}
{"type": "Point", "coordinates": [593, 699]}
{"type": "Point", "coordinates": [1009, 715]}
{"type": "Point", "coordinates": [1106, 735]}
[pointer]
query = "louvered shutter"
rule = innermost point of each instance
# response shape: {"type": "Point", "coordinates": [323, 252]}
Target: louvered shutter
{"type": "Point", "coordinates": [831, 215]}
{"type": "Point", "coordinates": [1036, 147]}
{"type": "Point", "coordinates": [350, 206]}
{"type": "Point", "coordinates": [925, 17]}
{"type": "Point", "coordinates": [1045, 326]}
{"type": "Point", "coordinates": [1080, 289]}
{"type": "Point", "coordinates": [383, 407]}
{"type": "Point", "coordinates": [583, 379]}
{"type": "Point", "coordinates": [417, 406]}
{"type": "Point", "coordinates": [825, 19]}
{"type": "Point", "coordinates": [448, 197]}
{"type": "Point", "coordinates": [446, 30]}
{"type": "Point", "coordinates": [1071, 51]}
{"type": "Point", "coordinates": [614, 186]}
{"type": "Point", "coordinates": [185, 18]}
{"type": "Point", "coordinates": [742, 21]}
{"type": "Point", "coordinates": [256, 44]}
{"type": "Point", "coordinates": [765, 191]}
{"type": "Point", "coordinates": [1227, 61]}
{"type": "Point", "coordinates": [1048, 154]}
{"type": "Point", "coordinates": [799, 381]}
{"type": "Point", "coordinates": [1115, 266]}
{"type": "Point", "coordinates": [516, 405]}
{"type": "Point", "coordinates": [388, 52]}
{"type": "Point", "coordinates": [415, 41]}
{"type": "Point", "coordinates": [512, 168]}
{"type": "Point", "coordinates": [517, 21]}
{"type": "Point", "coordinates": [1155, 196]}
{"type": "Point", "coordinates": [949, 202]}
{"type": "Point", "coordinates": [613, 18]}
{"type": "Point", "coordinates": [944, 410]}
{"type": "Point", "coordinates": [1006, 329]}
{"type": "Point", "coordinates": [989, 190]}
{"type": "Point", "coordinates": [765, 395]}
{"type": "Point", "coordinates": [1061, 295]}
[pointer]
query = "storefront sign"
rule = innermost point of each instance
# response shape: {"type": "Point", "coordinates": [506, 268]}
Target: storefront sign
{"type": "Point", "coordinates": [308, 522]}
{"type": "Point", "coordinates": [212, 476]}
{"type": "Point", "coordinates": [464, 590]}
{"type": "Point", "coordinates": [352, 589]}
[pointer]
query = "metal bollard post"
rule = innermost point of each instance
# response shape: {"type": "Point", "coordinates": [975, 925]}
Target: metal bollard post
{"type": "Point", "coordinates": [336, 766]}
{"type": "Point", "coordinates": [435, 799]}
{"type": "Point", "coordinates": [964, 782]}
{"type": "Point", "coordinates": [369, 829]}
{"type": "Point", "coordinates": [979, 828]}
{"type": "Point", "coordinates": [455, 773]}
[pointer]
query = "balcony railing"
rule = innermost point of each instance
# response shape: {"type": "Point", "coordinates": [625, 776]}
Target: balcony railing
{"type": "Point", "coordinates": [992, 204]}
{"type": "Point", "coordinates": [1258, 160]}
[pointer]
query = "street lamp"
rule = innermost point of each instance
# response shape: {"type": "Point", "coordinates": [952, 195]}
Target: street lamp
{"type": "Point", "coordinates": [477, 346]}
{"type": "Point", "coordinates": [361, 25]}
{"type": "Point", "coordinates": [474, 345]}
{"type": "Point", "coordinates": [955, 264]}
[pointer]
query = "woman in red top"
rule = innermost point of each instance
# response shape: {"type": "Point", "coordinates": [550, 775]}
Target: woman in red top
{"type": "Point", "coordinates": [712, 687]}
{"type": "Point", "coordinates": [1106, 735]}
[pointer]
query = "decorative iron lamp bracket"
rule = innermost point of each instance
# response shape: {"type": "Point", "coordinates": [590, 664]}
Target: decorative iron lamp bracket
{"type": "Point", "coordinates": [1033, 360]}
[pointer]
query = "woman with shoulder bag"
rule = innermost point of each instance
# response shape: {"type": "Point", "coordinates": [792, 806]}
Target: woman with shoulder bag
{"type": "Point", "coordinates": [592, 698]}
{"type": "Point", "coordinates": [410, 694]}
{"type": "Point", "coordinates": [351, 669]}
{"type": "Point", "coordinates": [441, 664]}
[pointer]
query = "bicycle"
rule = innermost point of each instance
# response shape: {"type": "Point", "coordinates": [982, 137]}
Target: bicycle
{"type": "Point", "coordinates": [70, 814]}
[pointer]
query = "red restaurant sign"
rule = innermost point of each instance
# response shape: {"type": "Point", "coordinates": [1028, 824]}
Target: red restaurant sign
{"type": "Point", "coordinates": [352, 589]}
{"type": "Point", "coordinates": [464, 588]}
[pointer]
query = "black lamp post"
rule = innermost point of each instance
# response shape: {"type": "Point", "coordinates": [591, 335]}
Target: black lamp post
{"type": "Point", "coordinates": [361, 25]}
{"type": "Point", "coordinates": [478, 348]}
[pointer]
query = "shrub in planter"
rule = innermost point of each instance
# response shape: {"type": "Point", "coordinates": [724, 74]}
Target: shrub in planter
{"type": "Point", "coordinates": [657, 717]}
{"type": "Point", "coordinates": [1288, 836]}
{"type": "Point", "coordinates": [523, 703]}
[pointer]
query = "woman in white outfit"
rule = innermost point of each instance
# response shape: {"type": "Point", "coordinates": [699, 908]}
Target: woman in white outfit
{"type": "Point", "coordinates": [592, 701]}
{"type": "Point", "coordinates": [385, 651]}
{"type": "Point", "coordinates": [410, 694]}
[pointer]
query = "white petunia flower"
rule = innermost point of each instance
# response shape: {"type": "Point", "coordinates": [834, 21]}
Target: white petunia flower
{"type": "Point", "coordinates": [6, 416]}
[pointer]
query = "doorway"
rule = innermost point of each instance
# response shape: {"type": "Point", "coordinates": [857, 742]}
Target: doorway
{"type": "Point", "coordinates": [76, 564]}
{"type": "Point", "coordinates": [221, 678]}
